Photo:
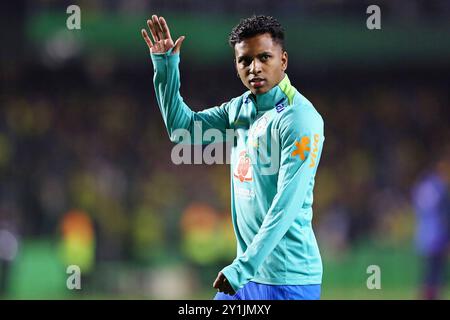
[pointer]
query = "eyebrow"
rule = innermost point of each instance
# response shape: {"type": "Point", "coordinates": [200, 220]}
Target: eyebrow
{"type": "Point", "coordinates": [240, 58]}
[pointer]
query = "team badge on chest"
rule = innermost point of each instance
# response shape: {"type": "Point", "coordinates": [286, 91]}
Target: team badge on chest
{"type": "Point", "coordinates": [243, 171]}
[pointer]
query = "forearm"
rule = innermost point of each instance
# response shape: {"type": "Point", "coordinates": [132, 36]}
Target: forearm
{"type": "Point", "coordinates": [176, 114]}
{"type": "Point", "coordinates": [295, 180]}
{"type": "Point", "coordinates": [285, 208]}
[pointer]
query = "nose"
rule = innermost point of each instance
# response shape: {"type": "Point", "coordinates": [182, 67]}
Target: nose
{"type": "Point", "coordinates": [255, 67]}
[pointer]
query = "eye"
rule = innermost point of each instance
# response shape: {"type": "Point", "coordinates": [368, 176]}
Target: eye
{"type": "Point", "coordinates": [246, 61]}
{"type": "Point", "coordinates": [265, 57]}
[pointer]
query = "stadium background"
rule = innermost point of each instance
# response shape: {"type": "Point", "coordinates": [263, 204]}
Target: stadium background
{"type": "Point", "coordinates": [85, 170]}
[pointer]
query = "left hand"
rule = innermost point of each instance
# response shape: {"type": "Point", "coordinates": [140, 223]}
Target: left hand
{"type": "Point", "coordinates": [222, 285]}
{"type": "Point", "coordinates": [162, 40]}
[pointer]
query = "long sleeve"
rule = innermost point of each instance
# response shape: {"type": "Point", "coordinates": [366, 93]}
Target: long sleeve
{"type": "Point", "coordinates": [176, 114]}
{"type": "Point", "coordinates": [301, 136]}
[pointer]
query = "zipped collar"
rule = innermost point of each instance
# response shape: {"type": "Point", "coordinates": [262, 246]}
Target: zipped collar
{"type": "Point", "coordinates": [269, 100]}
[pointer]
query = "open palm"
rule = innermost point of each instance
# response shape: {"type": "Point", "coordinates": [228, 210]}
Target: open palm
{"type": "Point", "coordinates": [162, 40]}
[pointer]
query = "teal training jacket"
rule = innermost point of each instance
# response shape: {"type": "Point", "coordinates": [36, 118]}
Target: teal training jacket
{"type": "Point", "coordinates": [276, 148]}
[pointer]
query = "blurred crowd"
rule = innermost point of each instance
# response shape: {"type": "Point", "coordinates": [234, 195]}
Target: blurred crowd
{"type": "Point", "coordinates": [103, 149]}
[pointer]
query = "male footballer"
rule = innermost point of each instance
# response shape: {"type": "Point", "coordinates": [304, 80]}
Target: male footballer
{"type": "Point", "coordinates": [277, 253]}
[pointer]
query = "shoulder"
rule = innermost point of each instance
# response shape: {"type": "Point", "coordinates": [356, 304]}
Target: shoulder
{"type": "Point", "coordinates": [301, 115]}
{"type": "Point", "coordinates": [236, 102]}
{"type": "Point", "coordinates": [235, 105]}
{"type": "Point", "coordinates": [428, 188]}
{"type": "Point", "coordinates": [232, 106]}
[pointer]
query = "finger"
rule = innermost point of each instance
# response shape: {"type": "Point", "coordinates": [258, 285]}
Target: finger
{"type": "Point", "coordinates": [224, 288]}
{"type": "Point", "coordinates": [227, 291]}
{"type": "Point", "coordinates": [146, 38]}
{"type": "Point", "coordinates": [165, 28]}
{"type": "Point", "coordinates": [157, 27]}
{"type": "Point", "coordinates": [152, 30]}
{"type": "Point", "coordinates": [227, 287]}
{"type": "Point", "coordinates": [218, 282]}
{"type": "Point", "coordinates": [230, 291]}
{"type": "Point", "coordinates": [177, 47]}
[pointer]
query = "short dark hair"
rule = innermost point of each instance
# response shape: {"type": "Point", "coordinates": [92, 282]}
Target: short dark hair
{"type": "Point", "coordinates": [255, 25]}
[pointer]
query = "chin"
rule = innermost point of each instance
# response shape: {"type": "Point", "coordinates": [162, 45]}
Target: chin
{"type": "Point", "coordinates": [260, 90]}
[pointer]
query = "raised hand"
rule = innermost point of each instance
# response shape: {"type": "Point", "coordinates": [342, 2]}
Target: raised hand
{"type": "Point", "coordinates": [162, 40]}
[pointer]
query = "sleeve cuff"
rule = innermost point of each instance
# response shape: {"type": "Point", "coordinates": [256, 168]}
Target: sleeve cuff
{"type": "Point", "coordinates": [161, 59]}
{"type": "Point", "coordinates": [232, 276]}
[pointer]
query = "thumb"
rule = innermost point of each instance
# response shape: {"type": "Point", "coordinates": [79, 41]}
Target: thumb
{"type": "Point", "coordinates": [218, 280]}
{"type": "Point", "coordinates": [176, 48]}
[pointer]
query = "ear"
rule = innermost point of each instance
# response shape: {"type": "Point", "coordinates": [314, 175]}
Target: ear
{"type": "Point", "coordinates": [235, 66]}
{"type": "Point", "coordinates": [284, 60]}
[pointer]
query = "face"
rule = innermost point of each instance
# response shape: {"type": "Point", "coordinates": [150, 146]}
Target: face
{"type": "Point", "coordinates": [260, 62]}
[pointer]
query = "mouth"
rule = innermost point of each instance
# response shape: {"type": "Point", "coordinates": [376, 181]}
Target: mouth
{"type": "Point", "coordinates": [257, 82]}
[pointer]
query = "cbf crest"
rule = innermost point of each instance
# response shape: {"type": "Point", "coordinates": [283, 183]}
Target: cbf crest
{"type": "Point", "coordinates": [258, 129]}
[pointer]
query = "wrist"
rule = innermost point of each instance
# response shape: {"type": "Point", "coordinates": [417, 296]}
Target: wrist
{"type": "Point", "coordinates": [167, 57]}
